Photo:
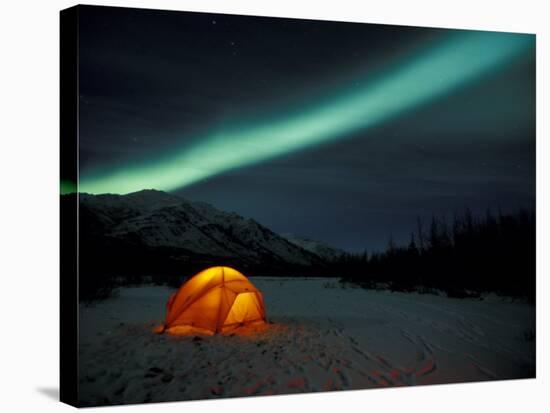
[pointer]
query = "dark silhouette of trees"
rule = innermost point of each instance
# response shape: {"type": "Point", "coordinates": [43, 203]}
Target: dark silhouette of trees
{"type": "Point", "coordinates": [467, 257]}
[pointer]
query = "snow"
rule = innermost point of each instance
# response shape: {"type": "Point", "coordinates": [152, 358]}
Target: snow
{"type": "Point", "coordinates": [321, 249]}
{"type": "Point", "coordinates": [159, 219]}
{"type": "Point", "coordinates": [322, 337]}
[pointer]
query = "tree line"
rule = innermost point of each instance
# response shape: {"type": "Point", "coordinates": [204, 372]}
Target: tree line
{"type": "Point", "coordinates": [464, 257]}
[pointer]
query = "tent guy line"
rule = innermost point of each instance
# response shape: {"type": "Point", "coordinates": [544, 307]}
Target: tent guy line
{"type": "Point", "coordinates": [437, 71]}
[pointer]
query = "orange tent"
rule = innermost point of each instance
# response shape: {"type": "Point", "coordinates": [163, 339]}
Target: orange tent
{"type": "Point", "coordinates": [215, 300]}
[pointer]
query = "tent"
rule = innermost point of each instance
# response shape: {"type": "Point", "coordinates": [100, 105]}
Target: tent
{"type": "Point", "coordinates": [215, 300]}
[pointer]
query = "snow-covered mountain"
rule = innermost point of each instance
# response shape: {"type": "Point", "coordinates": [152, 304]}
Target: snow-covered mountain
{"type": "Point", "coordinates": [321, 249]}
{"type": "Point", "coordinates": [159, 219]}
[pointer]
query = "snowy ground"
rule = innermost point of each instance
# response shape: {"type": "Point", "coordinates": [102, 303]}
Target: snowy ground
{"type": "Point", "coordinates": [323, 337]}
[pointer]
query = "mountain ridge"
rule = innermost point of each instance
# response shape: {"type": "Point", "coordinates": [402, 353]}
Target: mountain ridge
{"type": "Point", "coordinates": [161, 220]}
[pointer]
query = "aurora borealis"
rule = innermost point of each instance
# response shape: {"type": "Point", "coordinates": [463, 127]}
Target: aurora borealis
{"type": "Point", "coordinates": [207, 105]}
{"type": "Point", "coordinates": [436, 71]}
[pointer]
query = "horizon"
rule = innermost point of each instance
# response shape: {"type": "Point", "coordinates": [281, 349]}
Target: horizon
{"type": "Point", "coordinates": [399, 244]}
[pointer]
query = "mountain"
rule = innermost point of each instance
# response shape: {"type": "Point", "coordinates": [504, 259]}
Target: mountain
{"type": "Point", "coordinates": [170, 226]}
{"type": "Point", "coordinates": [325, 251]}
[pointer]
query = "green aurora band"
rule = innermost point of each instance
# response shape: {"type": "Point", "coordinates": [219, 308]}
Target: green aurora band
{"type": "Point", "coordinates": [67, 187]}
{"type": "Point", "coordinates": [435, 72]}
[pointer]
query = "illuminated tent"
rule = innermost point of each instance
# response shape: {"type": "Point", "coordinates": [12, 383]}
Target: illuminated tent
{"type": "Point", "coordinates": [215, 300]}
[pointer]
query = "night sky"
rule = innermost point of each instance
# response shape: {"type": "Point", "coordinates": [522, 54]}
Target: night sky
{"type": "Point", "coordinates": [339, 132]}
